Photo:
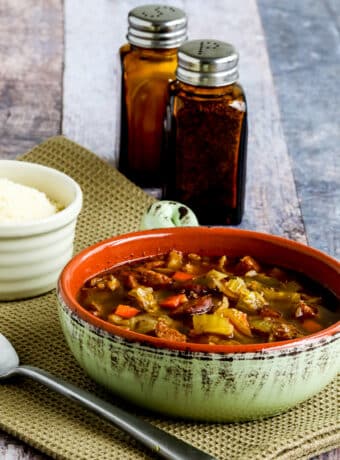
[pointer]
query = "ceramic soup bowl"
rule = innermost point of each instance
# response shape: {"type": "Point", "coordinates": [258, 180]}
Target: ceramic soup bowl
{"type": "Point", "coordinates": [200, 381]}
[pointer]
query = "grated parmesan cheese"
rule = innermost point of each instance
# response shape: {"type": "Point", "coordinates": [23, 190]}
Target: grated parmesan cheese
{"type": "Point", "coordinates": [20, 203]}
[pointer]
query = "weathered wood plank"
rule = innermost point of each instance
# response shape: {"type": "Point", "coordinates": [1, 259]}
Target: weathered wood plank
{"type": "Point", "coordinates": [31, 112]}
{"type": "Point", "coordinates": [93, 35]}
{"type": "Point", "coordinates": [12, 449]}
{"type": "Point", "coordinates": [31, 54]}
{"type": "Point", "coordinates": [31, 37]}
{"type": "Point", "coordinates": [303, 47]}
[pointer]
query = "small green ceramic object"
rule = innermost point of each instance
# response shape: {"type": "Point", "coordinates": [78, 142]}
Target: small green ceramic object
{"type": "Point", "coordinates": [166, 213]}
{"type": "Point", "coordinates": [200, 381]}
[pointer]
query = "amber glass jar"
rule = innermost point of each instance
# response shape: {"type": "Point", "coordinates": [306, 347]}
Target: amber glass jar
{"type": "Point", "coordinates": [206, 133]}
{"type": "Point", "coordinates": [148, 63]}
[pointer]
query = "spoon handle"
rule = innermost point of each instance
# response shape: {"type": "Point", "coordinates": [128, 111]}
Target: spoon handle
{"type": "Point", "coordinates": [159, 441]}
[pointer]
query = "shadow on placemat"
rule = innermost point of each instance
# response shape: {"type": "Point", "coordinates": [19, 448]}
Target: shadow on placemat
{"type": "Point", "coordinates": [59, 427]}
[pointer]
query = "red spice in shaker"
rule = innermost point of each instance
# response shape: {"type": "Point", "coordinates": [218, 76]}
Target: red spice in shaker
{"type": "Point", "coordinates": [206, 133]}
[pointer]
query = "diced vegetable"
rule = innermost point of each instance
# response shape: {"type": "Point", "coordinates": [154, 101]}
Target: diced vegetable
{"type": "Point", "coordinates": [194, 257]}
{"type": "Point", "coordinates": [145, 298]}
{"type": "Point", "coordinates": [311, 325]}
{"type": "Point", "coordinates": [175, 260]}
{"type": "Point", "coordinates": [268, 281]}
{"type": "Point", "coordinates": [199, 298]}
{"type": "Point", "coordinates": [173, 301]}
{"type": "Point", "coordinates": [182, 276]}
{"type": "Point", "coordinates": [234, 287]}
{"type": "Point", "coordinates": [113, 283]}
{"type": "Point", "coordinates": [287, 297]}
{"type": "Point", "coordinates": [213, 324]}
{"type": "Point", "coordinates": [239, 320]}
{"type": "Point", "coordinates": [261, 326]}
{"type": "Point", "coordinates": [222, 306]}
{"type": "Point", "coordinates": [213, 279]}
{"type": "Point", "coordinates": [126, 323]}
{"type": "Point", "coordinates": [126, 311]}
{"type": "Point", "coordinates": [144, 323]}
{"type": "Point", "coordinates": [191, 268]}
{"type": "Point", "coordinates": [250, 301]}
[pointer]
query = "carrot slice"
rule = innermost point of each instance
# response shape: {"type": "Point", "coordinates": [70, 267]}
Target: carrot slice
{"type": "Point", "coordinates": [311, 325]}
{"type": "Point", "coordinates": [173, 301]}
{"type": "Point", "coordinates": [182, 276]}
{"type": "Point", "coordinates": [125, 311]}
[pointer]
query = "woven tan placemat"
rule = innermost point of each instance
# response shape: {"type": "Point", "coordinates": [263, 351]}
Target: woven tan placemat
{"type": "Point", "coordinates": [63, 430]}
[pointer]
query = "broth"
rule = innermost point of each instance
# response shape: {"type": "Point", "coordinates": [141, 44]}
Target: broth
{"type": "Point", "coordinates": [213, 300]}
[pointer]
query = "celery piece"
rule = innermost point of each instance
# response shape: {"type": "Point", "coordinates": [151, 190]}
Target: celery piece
{"type": "Point", "coordinates": [251, 301]}
{"type": "Point", "coordinates": [261, 326]}
{"type": "Point", "coordinates": [213, 324]}
{"type": "Point", "coordinates": [268, 281]}
{"type": "Point", "coordinates": [144, 324]}
{"type": "Point", "coordinates": [239, 320]}
{"type": "Point", "coordinates": [286, 298]}
{"type": "Point", "coordinates": [122, 322]}
{"type": "Point", "coordinates": [214, 280]}
{"type": "Point", "coordinates": [234, 287]}
{"type": "Point", "coordinates": [222, 305]}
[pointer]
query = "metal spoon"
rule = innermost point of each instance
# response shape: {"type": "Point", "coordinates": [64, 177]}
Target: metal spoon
{"type": "Point", "coordinates": [160, 442]}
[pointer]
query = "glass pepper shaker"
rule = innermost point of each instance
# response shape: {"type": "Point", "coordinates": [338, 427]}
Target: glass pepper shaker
{"type": "Point", "coordinates": [148, 63]}
{"type": "Point", "coordinates": [206, 133]}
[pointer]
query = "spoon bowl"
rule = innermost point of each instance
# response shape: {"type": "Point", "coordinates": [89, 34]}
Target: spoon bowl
{"type": "Point", "coordinates": [160, 442]}
{"type": "Point", "coordinates": [9, 359]}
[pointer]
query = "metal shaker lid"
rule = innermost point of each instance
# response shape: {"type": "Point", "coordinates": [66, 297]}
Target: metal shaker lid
{"type": "Point", "coordinates": [157, 26]}
{"type": "Point", "coordinates": [207, 62]}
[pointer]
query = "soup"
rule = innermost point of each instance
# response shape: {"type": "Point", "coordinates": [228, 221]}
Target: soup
{"type": "Point", "coordinates": [212, 300]}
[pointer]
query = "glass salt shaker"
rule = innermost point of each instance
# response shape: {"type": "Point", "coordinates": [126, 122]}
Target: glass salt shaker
{"type": "Point", "coordinates": [206, 133]}
{"type": "Point", "coordinates": [148, 63]}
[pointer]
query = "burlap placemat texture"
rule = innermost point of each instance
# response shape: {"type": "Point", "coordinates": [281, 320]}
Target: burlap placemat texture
{"type": "Point", "coordinates": [59, 427]}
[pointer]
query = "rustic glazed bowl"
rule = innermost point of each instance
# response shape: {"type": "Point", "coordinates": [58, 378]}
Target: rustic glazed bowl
{"type": "Point", "coordinates": [32, 254]}
{"type": "Point", "coordinates": [196, 381]}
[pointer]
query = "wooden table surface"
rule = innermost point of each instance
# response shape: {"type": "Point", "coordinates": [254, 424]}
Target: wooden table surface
{"type": "Point", "coordinates": [59, 75]}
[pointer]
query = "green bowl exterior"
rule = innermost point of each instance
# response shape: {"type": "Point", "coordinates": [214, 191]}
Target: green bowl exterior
{"type": "Point", "coordinates": [219, 387]}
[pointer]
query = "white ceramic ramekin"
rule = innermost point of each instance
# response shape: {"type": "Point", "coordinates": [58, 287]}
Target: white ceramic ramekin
{"type": "Point", "coordinates": [33, 254]}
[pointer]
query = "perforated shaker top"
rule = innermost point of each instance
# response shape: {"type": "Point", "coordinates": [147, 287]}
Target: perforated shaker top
{"type": "Point", "coordinates": [157, 26]}
{"type": "Point", "coordinates": [207, 62]}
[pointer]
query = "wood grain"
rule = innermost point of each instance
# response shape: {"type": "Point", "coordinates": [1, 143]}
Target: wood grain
{"type": "Point", "coordinates": [31, 38]}
{"type": "Point", "coordinates": [303, 48]}
{"type": "Point", "coordinates": [36, 102]}
{"type": "Point", "coordinates": [92, 35]}
{"type": "Point", "coordinates": [13, 449]}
